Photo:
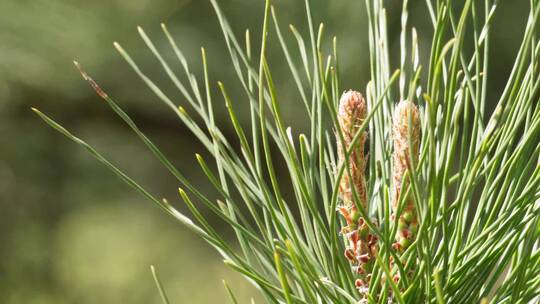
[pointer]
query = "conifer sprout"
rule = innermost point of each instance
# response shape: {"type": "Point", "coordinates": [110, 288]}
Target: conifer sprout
{"type": "Point", "coordinates": [406, 136]}
{"type": "Point", "coordinates": [351, 114]}
{"type": "Point", "coordinates": [361, 247]}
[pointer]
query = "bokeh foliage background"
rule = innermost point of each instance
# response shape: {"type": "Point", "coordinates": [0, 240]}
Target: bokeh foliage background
{"type": "Point", "coordinates": [71, 232]}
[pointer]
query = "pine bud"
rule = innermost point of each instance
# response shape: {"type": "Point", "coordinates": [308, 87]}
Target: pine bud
{"type": "Point", "coordinates": [352, 113]}
{"type": "Point", "coordinates": [406, 135]}
{"type": "Point", "coordinates": [406, 112]}
{"type": "Point", "coordinates": [361, 243]}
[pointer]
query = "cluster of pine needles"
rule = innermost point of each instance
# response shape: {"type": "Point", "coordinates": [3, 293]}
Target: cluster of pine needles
{"type": "Point", "coordinates": [410, 193]}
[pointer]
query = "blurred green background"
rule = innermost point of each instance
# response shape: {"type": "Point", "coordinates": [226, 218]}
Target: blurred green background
{"type": "Point", "coordinates": [71, 232]}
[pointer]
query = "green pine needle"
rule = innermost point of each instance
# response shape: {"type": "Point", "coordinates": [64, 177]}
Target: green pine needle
{"type": "Point", "coordinates": [475, 185]}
